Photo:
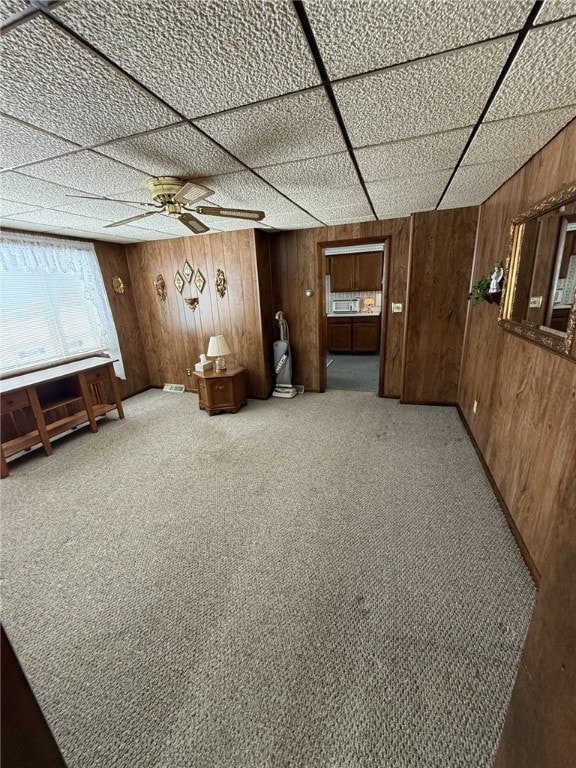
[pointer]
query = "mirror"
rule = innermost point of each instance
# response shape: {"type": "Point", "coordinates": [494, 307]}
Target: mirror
{"type": "Point", "coordinates": [539, 298]}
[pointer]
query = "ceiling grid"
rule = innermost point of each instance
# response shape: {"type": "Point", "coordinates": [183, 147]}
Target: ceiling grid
{"type": "Point", "coordinates": [316, 112]}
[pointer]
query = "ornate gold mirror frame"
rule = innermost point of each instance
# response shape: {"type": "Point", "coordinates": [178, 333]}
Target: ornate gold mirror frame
{"type": "Point", "coordinates": [539, 297]}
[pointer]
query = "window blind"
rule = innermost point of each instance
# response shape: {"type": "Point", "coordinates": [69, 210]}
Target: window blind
{"type": "Point", "coordinates": [53, 303]}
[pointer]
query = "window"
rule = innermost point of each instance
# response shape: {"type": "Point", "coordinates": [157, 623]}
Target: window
{"type": "Point", "coordinates": [53, 303]}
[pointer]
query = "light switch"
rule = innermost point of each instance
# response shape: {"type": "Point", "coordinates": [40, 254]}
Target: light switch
{"type": "Point", "coordinates": [396, 307]}
{"type": "Point", "coordinates": [535, 301]}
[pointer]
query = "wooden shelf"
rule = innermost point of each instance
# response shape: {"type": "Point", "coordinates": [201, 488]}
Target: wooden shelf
{"type": "Point", "coordinates": [66, 388]}
{"type": "Point", "coordinates": [61, 403]}
{"type": "Point", "coordinates": [21, 443]}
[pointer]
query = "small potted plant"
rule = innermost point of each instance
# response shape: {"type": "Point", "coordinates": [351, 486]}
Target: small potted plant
{"type": "Point", "coordinates": [484, 289]}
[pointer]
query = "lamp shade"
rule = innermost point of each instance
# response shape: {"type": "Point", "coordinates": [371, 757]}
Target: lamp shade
{"type": "Point", "coordinates": [217, 347]}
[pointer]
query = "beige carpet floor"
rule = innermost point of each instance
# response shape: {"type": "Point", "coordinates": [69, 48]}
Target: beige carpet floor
{"type": "Point", "coordinates": [323, 582]}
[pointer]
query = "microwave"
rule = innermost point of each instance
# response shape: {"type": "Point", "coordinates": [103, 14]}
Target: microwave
{"type": "Point", "coordinates": [346, 305]}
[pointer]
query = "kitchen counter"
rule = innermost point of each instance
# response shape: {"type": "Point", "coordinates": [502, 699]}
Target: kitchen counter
{"type": "Point", "coordinates": [353, 314]}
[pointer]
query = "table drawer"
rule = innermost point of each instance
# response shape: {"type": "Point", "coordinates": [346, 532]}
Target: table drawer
{"type": "Point", "coordinates": [11, 401]}
{"type": "Point", "coordinates": [100, 374]}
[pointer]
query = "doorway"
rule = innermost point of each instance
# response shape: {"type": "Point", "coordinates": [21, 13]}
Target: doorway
{"type": "Point", "coordinates": [353, 279]}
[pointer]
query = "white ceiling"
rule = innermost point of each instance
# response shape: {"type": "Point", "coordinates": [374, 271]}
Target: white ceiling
{"type": "Point", "coordinates": [317, 112]}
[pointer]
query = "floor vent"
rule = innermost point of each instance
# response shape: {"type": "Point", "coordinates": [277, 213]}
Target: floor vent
{"type": "Point", "coordinates": [173, 387]}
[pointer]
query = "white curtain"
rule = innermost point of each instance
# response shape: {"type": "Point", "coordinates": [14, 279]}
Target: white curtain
{"type": "Point", "coordinates": [53, 303]}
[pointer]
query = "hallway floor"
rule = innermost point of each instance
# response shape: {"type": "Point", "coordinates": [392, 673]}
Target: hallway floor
{"type": "Point", "coordinates": [358, 372]}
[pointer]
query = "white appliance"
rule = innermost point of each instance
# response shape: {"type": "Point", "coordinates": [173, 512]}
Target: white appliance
{"type": "Point", "coordinates": [346, 305]}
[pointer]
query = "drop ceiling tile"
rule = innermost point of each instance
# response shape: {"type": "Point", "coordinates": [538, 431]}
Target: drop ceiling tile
{"type": "Point", "coordinates": [10, 207]}
{"type": "Point", "coordinates": [392, 197]}
{"type": "Point", "coordinates": [552, 10]}
{"type": "Point", "coordinates": [298, 220]}
{"type": "Point", "coordinates": [428, 96]}
{"type": "Point", "coordinates": [59, 220]}
{"type": "Point", "coordinates": [52, 82]}
{"type": "Point", "coordinates": [180, 150]}
{"type": "Point", "coordinates": [78, 233]}
{"type": "Point", "coordinates": [518, 136]}
{"type": "Point", "coordinates": [90, 172]}
{"type": "Point", "coordinates": [343, 214]}
{"type": "Point", "coordinates": [541, 76]}
{"type": "Point", "coordinates": [423, 154]}
{"type": "Point", "coordinates": [362, 35]}
{"type": "Point", "coordinates": [36, 192]}
{"type": "Point", "coordinates": [244, 190]}
{"type": "Point", "coordinates": [473, 184]}
{"type": "Point", "coordinates": [292, 127]}
{"type": "Point", "coordinates": [105, 210]}
{"type": "Point", "coordinates": [14, 224]}
{"type": "Point", "coordinates": [316, 181]}
{"type": "Point", "coordinates": [23, 144]}
{"type": "Point", "coordinates": [201, 57]}
{"type": "Point", "coordinates": [10, 7]}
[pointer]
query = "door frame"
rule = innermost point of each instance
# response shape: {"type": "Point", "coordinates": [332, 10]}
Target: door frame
{"type": "Point", "coordinates": [321, 303]}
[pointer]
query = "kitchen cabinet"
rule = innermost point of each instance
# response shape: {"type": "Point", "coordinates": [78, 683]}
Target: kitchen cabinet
{"type": "Point", "coordinates": [356, 272]}
{"type": "Point", "coordinates": [354, 334]}
{"type": "Point", "coordinates": [224, 391]}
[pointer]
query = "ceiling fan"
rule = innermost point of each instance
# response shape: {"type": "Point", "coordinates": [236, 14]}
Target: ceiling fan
{"type": "Point", "coordinates": [176, 197]}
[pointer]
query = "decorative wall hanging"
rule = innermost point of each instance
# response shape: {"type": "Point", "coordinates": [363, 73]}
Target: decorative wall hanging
{"type": "Point", "coordinates": [221, 285]}
{"type": "Point", "coordinates": [160, 286]}
{"type": "Point", "coordinates": [178, 282]}
{"type": "Point", "coordinates": [199, 281]}
{"type": "Point", "coordinates": [118, 284]}
{"type": "Point", "coordinates": [187, 271]}
{"type": "Point", "coordinates": [192, 303]}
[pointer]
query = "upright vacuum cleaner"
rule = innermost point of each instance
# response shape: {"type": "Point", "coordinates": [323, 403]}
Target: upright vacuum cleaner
{"type": "Point", "coordinates": [283, 361]}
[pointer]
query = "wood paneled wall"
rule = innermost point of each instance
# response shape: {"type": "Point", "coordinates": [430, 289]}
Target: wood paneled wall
{"type": "Point", "coordinates": [112, 260]}
{"type": "Point", "coordinates": [174, 335]}
{"type": "Point", "coordinates": [525, 427]}
{"type": "Point", "coordinates": [441, 254]}
{"type": "Point", "coordinates": [295, 269]}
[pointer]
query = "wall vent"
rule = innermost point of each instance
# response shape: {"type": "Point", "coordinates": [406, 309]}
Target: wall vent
{"type": "Point", "coordinates": [173, 387]}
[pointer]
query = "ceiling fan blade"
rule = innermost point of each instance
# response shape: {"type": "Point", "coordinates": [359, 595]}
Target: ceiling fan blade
{"type": "Point", "coordinates": [132, 218]}
{"type": "Point", "coordinates": [112, 200]}
{"type": "Point", "coordinates": [230, 213]}
{"type": "Point", "coordinates": [193, 223]}
{"type": "Point", "coordinates": [192, 193]}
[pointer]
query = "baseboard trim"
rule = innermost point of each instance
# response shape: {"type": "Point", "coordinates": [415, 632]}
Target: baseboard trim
{"type": "Point", "coordinates": [534, 573]}
{"type": "Point", "coordinates": [448, 403]}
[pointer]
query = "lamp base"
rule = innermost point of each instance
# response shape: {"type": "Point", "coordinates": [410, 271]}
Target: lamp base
{"type": "Point", "coordinates": [219, 365]}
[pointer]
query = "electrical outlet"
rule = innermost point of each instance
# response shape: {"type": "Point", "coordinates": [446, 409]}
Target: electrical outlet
{"type": "Point", "coordinates": [188, 371]}
{"type": "Point", "coordinates": [475, 406]}
{"type": "Point", "coordinates": [396, 307]}
{"type": "Point", "coordinates": [535, 302]}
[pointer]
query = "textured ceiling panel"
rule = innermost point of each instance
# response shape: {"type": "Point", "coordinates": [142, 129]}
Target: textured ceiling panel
{"type": "Point", "coordinates": [201, 57]}
{"type": "Point", "coordinates": [176, 151]}
{"type": "Point", "coordinates": [278, 131]}
{"type": "Point", "coordinates": [474, 184]}
{"type": "Point", "coordinates": [16, 186]}
{"type": "Point", "coordinates": [542, 75]}
{"type": "Point", "coordinates": [516, 137]}
{"type": "Point", "coordinates": [10, 7]}
{"type": "Point", "coordinates": [425, 97]}
{"type": "Point", "coordinates": [244, 190]}
{"type": "Point", "coordinates": [363, 35]}
{"type": "Point", "coordinates": [90, 172]}
{"type": "Point", "coordinates": [81, 234]}
{"type": "Point", "coordinates": [316, 181]}
{"type": "Point", "coordinates": [412, 156]}
{"type": "Point", "coordinates": [10, 207]}
{"type": "Point", "coordinates": [399, 197]}
{"type": "Point", "coordinates": [107, 211]}
{"type": "Point", "coordinates": [24, 144]}
{"type": "Point", "coordinates": [58, 219]}
{"type": "Point", "coordinates": [48, 80]}
{"type": "Point", "coordinates": [12, 224]}
{"type": "Point", "coordinates": [293, 221]}
{"type": "Point", "coordinates": [556, 9]}
{"type": "Point", "coordinates": [340, 214]}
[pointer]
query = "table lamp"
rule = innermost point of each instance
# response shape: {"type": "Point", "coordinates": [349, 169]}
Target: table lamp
{"type": "Point", "coordinates": [217, 347]}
